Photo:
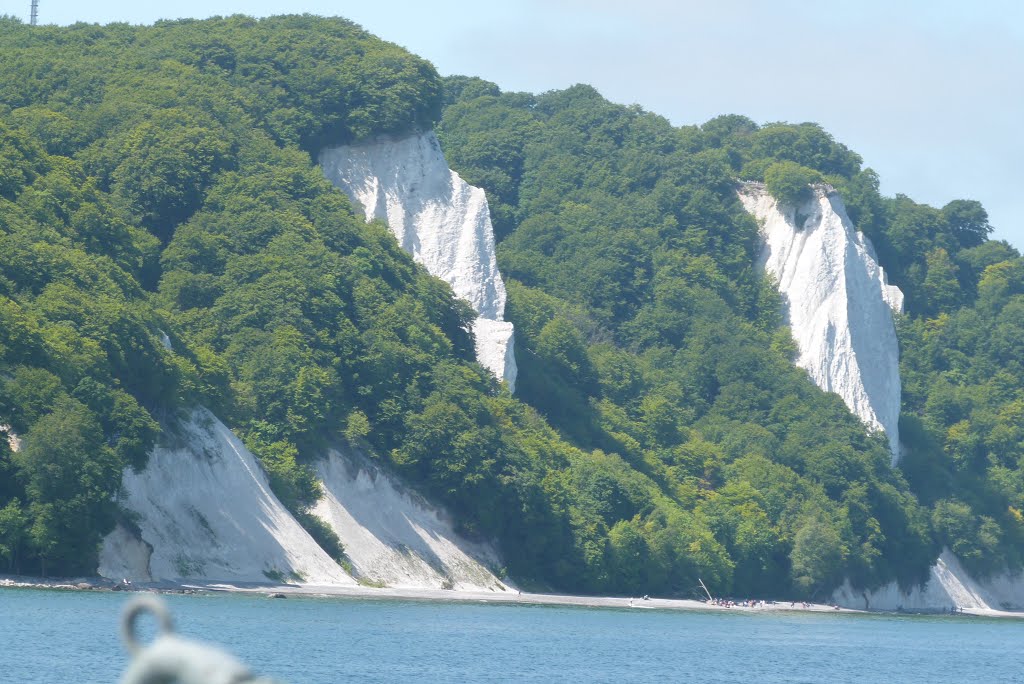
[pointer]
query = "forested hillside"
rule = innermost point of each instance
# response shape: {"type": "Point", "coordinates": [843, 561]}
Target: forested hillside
{"type": "Point", "coordinates": [166, 240]}
{"type": "Point", "coordinates": [623, 233]}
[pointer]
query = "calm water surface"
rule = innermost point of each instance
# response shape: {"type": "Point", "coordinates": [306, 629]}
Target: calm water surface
{"type": "Point", "coordinates": [49, 636]}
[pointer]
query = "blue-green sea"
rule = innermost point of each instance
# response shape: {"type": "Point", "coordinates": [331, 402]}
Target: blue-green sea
{"type": "Point", "coordinates": [51, 636]}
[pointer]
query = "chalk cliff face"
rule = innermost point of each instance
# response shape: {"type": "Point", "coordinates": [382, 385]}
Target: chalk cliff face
{"type": "Point", "coordinates": [948, 585]}
{"type": "Point", "coordinates": [205, 511]}
{"type": "Point", "coordinates": [839, 305]}
{"type": "Point", "coordinates": [438, 218]}
{"type": "Point", "coordinates": [393, 536]}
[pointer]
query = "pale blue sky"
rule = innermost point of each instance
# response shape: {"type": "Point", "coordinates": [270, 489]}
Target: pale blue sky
{"type": "Point", "coordinates": [930, 93]}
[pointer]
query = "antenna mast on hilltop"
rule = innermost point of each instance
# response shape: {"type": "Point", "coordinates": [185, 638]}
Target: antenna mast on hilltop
{"type": "Point", "coordinates": [35, 12]}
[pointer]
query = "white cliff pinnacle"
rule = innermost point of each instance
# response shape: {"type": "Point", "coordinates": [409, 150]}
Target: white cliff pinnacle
{"type": "Point", "coordinates": [839, 305]}
{"type": "Point", "coordinates": [438, 218]}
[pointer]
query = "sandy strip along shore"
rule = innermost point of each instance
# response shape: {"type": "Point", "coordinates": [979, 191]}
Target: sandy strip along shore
{"type": "Point", "coordinates": [506, 597]}
{"type": "Point", "coordinates": [360, 592]}
{"type": "Point", "coordinates": [513, 597]}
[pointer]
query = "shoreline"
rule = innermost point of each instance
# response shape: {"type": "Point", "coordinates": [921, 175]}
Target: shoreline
{"type": "Point", "coordinates": [511, 597]}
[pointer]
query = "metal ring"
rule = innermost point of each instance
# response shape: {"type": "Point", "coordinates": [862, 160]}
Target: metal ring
{"type": "Point", "coordinates": [138, 606]}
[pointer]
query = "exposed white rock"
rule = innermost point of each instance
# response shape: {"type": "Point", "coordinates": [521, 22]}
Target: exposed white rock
{"type": "Point", "coordinates": [165, 341]}
{"type": "Point", "coordinates": [125, 556]}
{"type": "Point", "coordinates": [839, 305]}
{"type": "Point", "coordinates": [394, 537]}
{"type": "Point", "coordinates": [495, 348]}
{"type": "Point", "coordinates": [438, 218]}
{"type": "Point", "coordinates": [948, 586]}
{"type": "Point", "coordinates": [206, 511]}
{"type": "Point", "coordinates": [12, 439]}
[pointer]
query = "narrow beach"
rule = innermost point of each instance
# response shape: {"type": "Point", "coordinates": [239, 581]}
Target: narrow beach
{"type": "Point", "coordinates": [391, 593]}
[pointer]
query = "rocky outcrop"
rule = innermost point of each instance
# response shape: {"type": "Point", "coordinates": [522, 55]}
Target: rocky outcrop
{"type": "Point", "coordinates": [125, 556]}
{"type": "Point", "coordinates": [839, 305]}
{"type": "Point", "coordinates": [394, 537]}
{"type": "Point", "coordinates": [13, 440]}
{"type": "Point", "coordinates": [438, 218]}
{"type": "Point", "coordinates": [205, 511]}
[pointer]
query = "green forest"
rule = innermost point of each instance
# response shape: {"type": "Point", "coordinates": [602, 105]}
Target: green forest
{"type": "Point", "coordinates": [158, 184]}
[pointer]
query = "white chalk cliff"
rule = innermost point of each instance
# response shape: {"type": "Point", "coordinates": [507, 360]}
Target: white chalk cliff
{"type": "Point", "coordinates": [205, 511]}
{"type": "Point", "coordinates": [948, 587]}
{"type": "Point", "coordinates": [438, 218]}
{"type": "Point", "coordinates": [393, 536]}
{"type": "Point", "coordinates": [839, 305]}
{"type": "Point", "coordinates": [840, 309]}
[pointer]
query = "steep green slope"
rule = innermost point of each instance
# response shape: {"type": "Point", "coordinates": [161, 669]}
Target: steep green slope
{"type": "Point", "coordinates": [646, 329]}
{"type": "Point", "coordinates": [961, 353]}
{"type": "Point", "coordinates": [632, 231]}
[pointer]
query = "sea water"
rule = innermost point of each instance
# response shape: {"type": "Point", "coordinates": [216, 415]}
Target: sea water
{"type": "Point", "coordinates": [52, 636]}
